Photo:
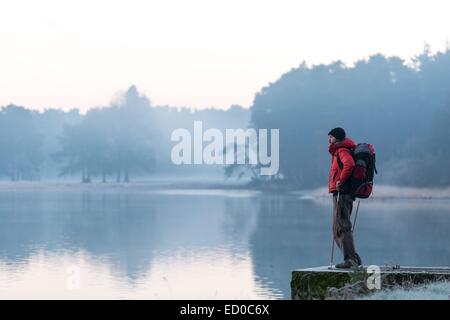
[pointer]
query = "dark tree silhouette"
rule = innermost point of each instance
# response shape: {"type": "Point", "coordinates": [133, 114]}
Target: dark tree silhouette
{"type": "Point", "coordinates": [379, 100]}
{"type": "Point", "coordinates": [116, 139]}
{"type": "Point", "coordinates": [20, 144]}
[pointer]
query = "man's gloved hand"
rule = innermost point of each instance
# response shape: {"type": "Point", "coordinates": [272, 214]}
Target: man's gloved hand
{"type": "Point", "coordinates": [338, 185]}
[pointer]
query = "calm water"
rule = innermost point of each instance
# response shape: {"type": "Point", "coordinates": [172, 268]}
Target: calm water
{"type": "Point", "coordinates": [194, 244]}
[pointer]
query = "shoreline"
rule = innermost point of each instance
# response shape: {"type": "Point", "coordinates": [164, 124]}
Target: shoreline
{"type": "Point", "coordinates": [381, 192]}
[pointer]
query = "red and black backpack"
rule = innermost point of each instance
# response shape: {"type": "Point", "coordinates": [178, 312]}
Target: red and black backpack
{"type": "Point", "coordinates": [360, 183]}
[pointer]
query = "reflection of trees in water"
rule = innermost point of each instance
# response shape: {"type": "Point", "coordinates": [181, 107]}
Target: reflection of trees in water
{"type": "Point", "coordinates": [281, 233]}
{"type": "Point", "coordinates": [119, 228]}
{"type": "Point", "coordinates": [404, 234]}
{"type": "Point", "coordinates": [239, 221]}
{"type": "Point", "coordinates": [124, 230]}
{"type": "Point", "coordinates": [289, 234]}
{"type": "Point", "coordinates": [18, 232]}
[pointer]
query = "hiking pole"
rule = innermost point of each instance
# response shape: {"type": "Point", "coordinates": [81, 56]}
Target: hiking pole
{"type": "Point", "coordinates": [356, 215]}
{"type": "Point", "coordinates": [335, 202]}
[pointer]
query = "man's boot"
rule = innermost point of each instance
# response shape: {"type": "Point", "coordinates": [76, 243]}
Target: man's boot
{"type": "Point", "coordinates": [349, 263]}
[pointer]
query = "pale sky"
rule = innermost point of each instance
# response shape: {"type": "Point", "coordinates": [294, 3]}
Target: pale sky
{"type": "Point", "coordinates": [197, 53]}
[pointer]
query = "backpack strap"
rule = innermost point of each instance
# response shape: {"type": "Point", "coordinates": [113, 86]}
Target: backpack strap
{"type": "Point", "coordinates": [374, 165]}
{"type": "Point", "coordinates": [340, 164]}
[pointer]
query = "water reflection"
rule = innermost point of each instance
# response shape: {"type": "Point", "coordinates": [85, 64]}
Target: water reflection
{"type": "Point", "coordinates": [194, 245]}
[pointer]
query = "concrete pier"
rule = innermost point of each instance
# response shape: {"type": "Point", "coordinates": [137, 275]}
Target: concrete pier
{"type": "Point", "coordinates": [325, 283]}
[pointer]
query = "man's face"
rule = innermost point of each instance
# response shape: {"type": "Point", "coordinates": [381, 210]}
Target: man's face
{"type": "Point", "coordinates": [331, 139]}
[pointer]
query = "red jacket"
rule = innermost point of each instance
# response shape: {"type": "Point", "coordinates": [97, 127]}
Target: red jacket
{"type": "Point", "coordinates": [336, 174]}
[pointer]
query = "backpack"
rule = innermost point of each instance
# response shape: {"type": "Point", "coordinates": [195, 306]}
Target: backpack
{"type": "Point", "coordinates": [360, 183]}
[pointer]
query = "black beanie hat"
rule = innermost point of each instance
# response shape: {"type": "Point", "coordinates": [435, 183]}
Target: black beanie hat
{"type": "Point", "coordinates": [338, 133]}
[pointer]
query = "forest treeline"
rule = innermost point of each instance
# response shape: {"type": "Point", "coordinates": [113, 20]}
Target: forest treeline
{"type": "Point", "coordinates": [403, 109]}
{"type": "Point", "coordinates": [125, 140]}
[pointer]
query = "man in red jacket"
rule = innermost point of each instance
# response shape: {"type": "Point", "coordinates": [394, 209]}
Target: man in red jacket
{"type": "Point", "coordinates": [342, 165]}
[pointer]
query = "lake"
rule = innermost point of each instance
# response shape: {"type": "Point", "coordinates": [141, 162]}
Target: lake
{"type": "Point", "coordinates": [194, 244]}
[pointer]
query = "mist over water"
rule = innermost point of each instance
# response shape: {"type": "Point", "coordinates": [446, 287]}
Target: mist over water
{"type": "Point", "coordinates": [196, 244]}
